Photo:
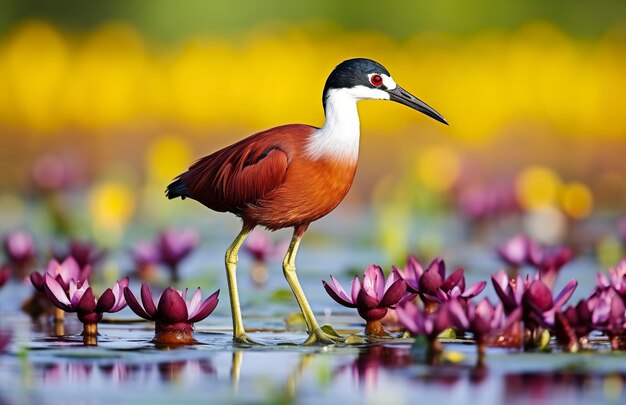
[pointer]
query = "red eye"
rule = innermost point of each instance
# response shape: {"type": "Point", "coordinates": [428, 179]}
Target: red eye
{"type": "Point", "coordinates": [376, 80]}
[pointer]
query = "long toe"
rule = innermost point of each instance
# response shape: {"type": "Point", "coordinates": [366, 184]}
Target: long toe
{"type": "Point", "coordinates": [319, 337]}
{"type": "Point", "coordinates": [246, 341]}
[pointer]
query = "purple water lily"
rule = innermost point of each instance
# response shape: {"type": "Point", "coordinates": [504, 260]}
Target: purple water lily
{"type": "Point", "coordinates": [19, 248]}
{"type": "Point", "coordinates": [372, 298]}
{"type": "Point", "coordinates": [483, 320]}
{"type": "Point", "coordinates": [433, 286]}
{"type": "Point", "coordinates": [79, 298]}
{"type": "Point", "coordinates": [174, 246]}
{"type": "Point", "coordinates": [573, 325]}
{"type": "Point", "coordinates": [616, 280]}
{"type": "Point", "coordinates": [146, 256]}
{"type": "Point", "coordinates": [509, 290]}
{"type": "Point", "coordinates": [173, 315]}
{"type": "Point", "coordinates": [63, 272]}
{"type": "Point", "coordinates": [548, 261]}
{"type": "Point", "coordinates": [5, 339]}
{"type": "Point", "coordinates": [261, 248]}
{"type": "Point", "coordinates": [5, 274]}
{"type": "Point", "coordinates": [607, 315]}
{"type": "Point", "coordinates": [428, 324]}
{"type": "Point", "coordinates": [515, 251]}
{"type": "Point", "coordinates": [85, 253]}
{"type": "Point", "coordinates": [538, 305]}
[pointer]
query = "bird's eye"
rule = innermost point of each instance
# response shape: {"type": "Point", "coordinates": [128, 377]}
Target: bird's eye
{"type": "Point", "coordinates": [376, 80]}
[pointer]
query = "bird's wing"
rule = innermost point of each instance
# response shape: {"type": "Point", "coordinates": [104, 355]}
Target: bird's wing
{"type": "Point", "coordinates": [244, 173]}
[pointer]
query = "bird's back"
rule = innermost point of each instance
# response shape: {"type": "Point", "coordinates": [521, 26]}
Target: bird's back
{"type": "Point", "coordinates": [243, 173]}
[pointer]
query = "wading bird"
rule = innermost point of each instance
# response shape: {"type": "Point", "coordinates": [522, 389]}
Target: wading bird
{"type": "Point", "coordinates": [292, 175]}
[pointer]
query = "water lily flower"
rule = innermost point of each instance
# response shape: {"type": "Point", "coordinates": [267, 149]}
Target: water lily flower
{"type": "Point", "coordinates": [5, 274]}
{"type": "Point", "coordinates": [5, 339]}
{"type": "Point", "coordinates": [19, 248]}
{"type": "Point", "coordinates": [174, 246]}
{"type": "Point", "coordinates": [509, 290]}
{"type": "Point", "coordinates": [63, 272]}
{"type": "Point", "coordinates": [573, 325]}
{"type": "Point", "coordinates": [608, 315]}
{"type": "Point", "coordinates": [548, 261]}
{"type": "Point", "coordinates": [85, 253]}
{"type": "Point", "coordinates": [428, 324]}
{"type": "Point", "coordinates": [515, 251]}
{"type": "Point", "coordinates": [433, 286]}
{"type": "Point", "coordinates": [260, 247]}
{"type": "Point", "coordinates": [372, 298]}
{"type": "Point", "coordinates": [539, 307]}
{"type": "Point", "coordinates": [616, 280]}
{"type": "Point", "coordinates": [79, 298]}
{"type": "Point", "coordinates": [173, 314]}
{"type": "Point", "coordinates": [146, 256]}
{"type": "Point", "coordinates": [483, 320]}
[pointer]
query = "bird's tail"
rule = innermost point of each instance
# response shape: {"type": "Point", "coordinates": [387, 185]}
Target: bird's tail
{"type": "Point", "coordinates": [177, 188]}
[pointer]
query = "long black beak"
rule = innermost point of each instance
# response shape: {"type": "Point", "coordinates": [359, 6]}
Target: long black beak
{"type": "Point", "coordinates": [399, 95]}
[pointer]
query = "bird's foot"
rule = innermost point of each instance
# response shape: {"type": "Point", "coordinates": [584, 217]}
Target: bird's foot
{"type": "Point", "coordinates": [319, 337]}
{"type": "Point", "coordinates": [244, 340]}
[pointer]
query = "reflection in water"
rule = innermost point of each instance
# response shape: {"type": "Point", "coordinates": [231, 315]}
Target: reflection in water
{"type": "Point", "coordinates": [286, 392]}
{"type": "Point", "coordinates": [122, 372]}
{"type": "Point", "coordinates": [365, 368]}
{"type": "Point", "coordinates": [542, 386]}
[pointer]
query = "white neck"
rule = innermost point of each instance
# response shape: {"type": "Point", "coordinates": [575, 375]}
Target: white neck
{"type": "Point", "coordinates": [339, 137]}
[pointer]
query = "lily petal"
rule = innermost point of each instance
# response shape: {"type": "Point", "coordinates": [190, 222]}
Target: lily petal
{"type": "Point", "coordinates": [134, 304]}
{"type": "Point", "coordinates": [147, 300]}
{"type": "Point", "coordinates": [171, 307]}
{"type": "Point", "coordinates": [206, 308]}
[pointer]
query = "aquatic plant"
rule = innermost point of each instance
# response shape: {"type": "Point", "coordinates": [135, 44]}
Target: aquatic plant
{"type": "Point", "coordinates": [420, 322]}
{"type": "Point", "coordinates": [79, 298]}
{"type": "Point", "coordinates": [433, 286]}
{"type": "Point", "coordinates": [548, 261]}
{"type": "Point", "coordinates": [85, 253]}
{"type": "Point", "coordinates": [5, 274]}
{"type": "Point", "coordinates": [607, 315]}
{"type": "Point", "coordinates": [573, 325]}
{"type": "Point", "coordinates": [5, 339]}
{"type": "Point", "coordinates": [261, 248]}
{"type": "Point", "coordinates": [145, 256]}
{"type": "Point", "coordinates": [515, 251]}
{"type": "Point", "coordinates": [483, 320]}
{"type": "Point", "coordinates": [510, 290]}
{"type": "Point", "coordinates": [539, 307]}
{"type": "Point", "coordinates": [173, 314]}
{"type": "Point", "coordinates": [63, 272]}
{"type": "Point", "coordinates": [372, 297]}
{"type": "Point", "coordinates": [20, 251]}
{"type": "Point", "coordinates": [174, 245]}
{"type": "Point", "coordinates": [616, 280]}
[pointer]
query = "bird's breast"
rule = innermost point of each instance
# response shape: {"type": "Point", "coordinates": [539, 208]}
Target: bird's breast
{"type": "Point", "coordinates": [312, 188]}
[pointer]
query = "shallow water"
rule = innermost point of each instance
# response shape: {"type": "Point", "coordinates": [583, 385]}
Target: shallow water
{"type": "Point", "coordinates": [48, 366]}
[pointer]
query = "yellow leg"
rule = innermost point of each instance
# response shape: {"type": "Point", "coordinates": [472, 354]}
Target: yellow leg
{"type": "Point", "coordinates": [316, 335]}
{"type": "Point", "coordinates": [239, 333]}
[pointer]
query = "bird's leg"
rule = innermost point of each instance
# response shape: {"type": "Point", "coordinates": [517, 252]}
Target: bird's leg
{"type": "Point", "coordinates": [239, 333]}
{"type": "Point", "coordinates": [316, 334]}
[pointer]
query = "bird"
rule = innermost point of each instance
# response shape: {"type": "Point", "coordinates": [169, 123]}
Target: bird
{"type": "Point", "coordinates": [292, 175]}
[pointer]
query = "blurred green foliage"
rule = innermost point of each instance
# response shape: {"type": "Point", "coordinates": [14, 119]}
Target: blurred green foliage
{"type": "Point", "coordinates": [167, 21]}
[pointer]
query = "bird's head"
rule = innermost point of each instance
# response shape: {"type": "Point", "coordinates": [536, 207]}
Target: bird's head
{"type": "Point", "coordinates": [365, 79]}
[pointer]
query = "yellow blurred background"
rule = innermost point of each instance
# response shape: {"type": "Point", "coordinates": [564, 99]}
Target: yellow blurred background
{"type": "Point", "coordinates": [114, 106]}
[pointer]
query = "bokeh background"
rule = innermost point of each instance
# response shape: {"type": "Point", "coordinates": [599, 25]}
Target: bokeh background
{"type": "Point", "coordinates": [102, 104]}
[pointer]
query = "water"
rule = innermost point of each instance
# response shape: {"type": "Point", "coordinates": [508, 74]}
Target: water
{"type": "Point", "coordinates": [48, 366]}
